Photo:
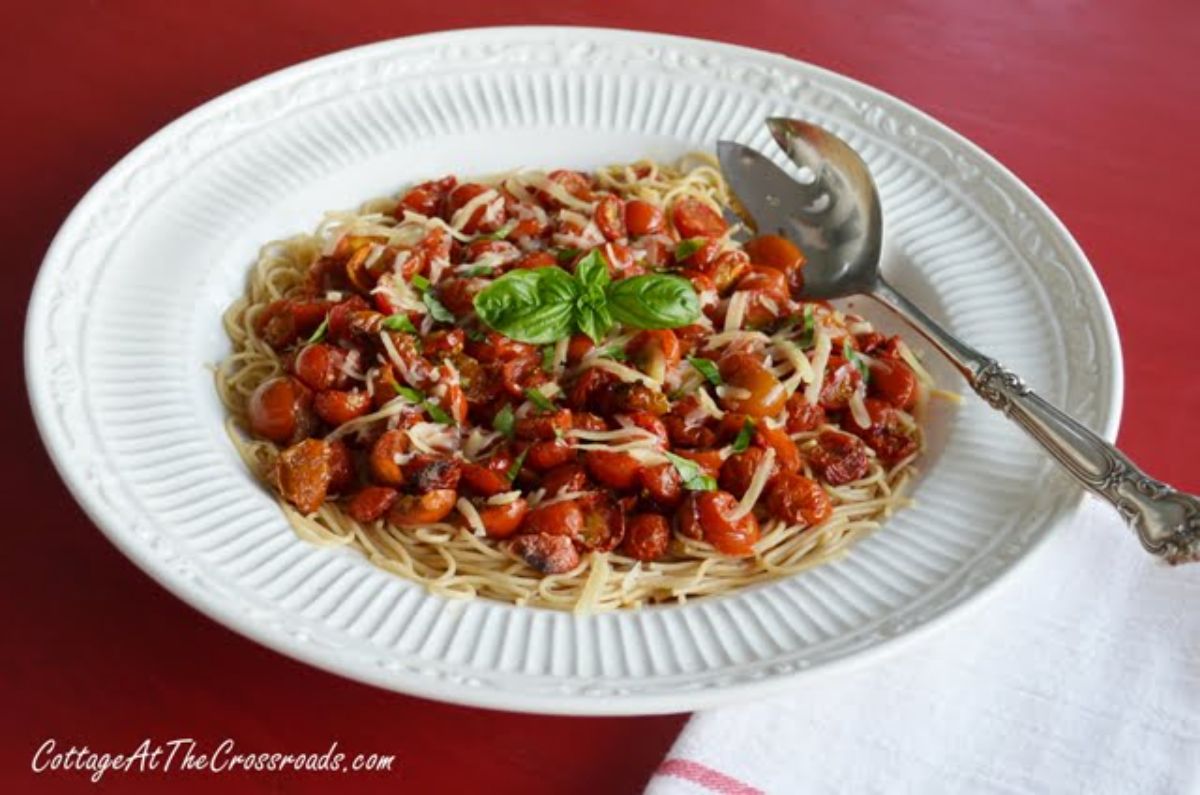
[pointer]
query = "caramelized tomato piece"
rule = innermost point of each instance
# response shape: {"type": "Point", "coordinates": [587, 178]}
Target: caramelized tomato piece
{"type": "Point", "coordinates": [647, 537]}
{"type": "Point", "coordinates": [370, 503]}
{"type": "Point", "coordinates": [839, 458]}
{"type": "Point", "coordinates": [610, 217]}
{"type": "Point", "coordinates": [787, 455]}
{"type": "Point", "coordinates": [728, 268]}
{"type": "Point", "coordinates": [341, 315]}
{"type": "Point", "coordinates": [443, 342]}
{"type": "Point", "coordinates": [603, 523]}
{"type": "Point", "coordinates": [687, 517]}
{"type": "Point", "coordinates": [613, 469]}
{"type": "Point", "coordinates": [426, 198]}
{"type": "Point", "coordinates": [319, 366]}
{"type": "Point", "coordinates": [803, 416]}
{"type": "Point", "coordinates": [301, 474]}
{"type": "Point", "coordinates": [501, 521]}
{"type": "Point", "coordinates": [544, 425]}
{"type": "Point", "coordinates": [654, 351]}
{"type": "Point", "coordinates": [637, 397]}
{"type": "Point", "coordinates": [383, 459]}
{"type": "Point", "coordinates": [738, 470]}
{"type": "Point", "coordinates": [796, 499]}
{"type": "Point", "coordinates": [283, 322]}
{"type": "Point", "coordinates": [694, 218]}
{"type": "Point", "coordinates": [341, 466]}
{"type": "Point", "coordinates": [549, 554]}
{"type": "Point", "coordinates": [842, 378]}
{"type": "Point", "coordinates": [433, 472]}
{"type": "Point", "coordinates": [565, 479]}
{"type": "Point", "coordinates": [687, 424]}
{"type": "Point", "coordinates": [560, 518]}
{"type": "Point", "coordinates": [729, 536]}
{"type": "Point", "coordinates": [414, 510]}
{"type": "Point", "coordinates": [586, 421]}
{"type": "Point", "coordinates": [544, 456]}
{"type": "Point", "coordinates": [280, 410]}
{"type": "Point", "coordinates": [710, 461]}
{"type": "Point", "coordinates": [490, 476]}
{"type": "Point", "coordinates": [337, 406]}
{"type": "Point", "coordinates": [579, 346]}
{"type": "Point", "coordinates": [458, 295]}
{"type": "Point", "coordinates": [893, 380]}
{"type": "Point", "coordinates": [643, 218]}
{"type": "Point", "coordinates": [759, 393]}
{"type": "Point", "coordinates": [646, 421]}
{"type": "Point", "coordinates": [661, 485]}
{"type": "Point", "coordinates": [536, 259]}
{"type": "Point", "coordinates": [774, 251]}
{"type": "Point", "coordinates": [486, 218]}
{"type": "Point", "coordinates": [889, 436]}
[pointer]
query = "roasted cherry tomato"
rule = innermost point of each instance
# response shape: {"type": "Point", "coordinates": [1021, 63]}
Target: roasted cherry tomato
{"type": "Point", "coordinates": [654, 351]}
{"type": "Point", "coordinates": [544, 456]}
{"type": "Point", "coordinates": [787, 455]}
{"type": "Point", "coordinates": [774, 251]}
{"type": "Point", "coordinates": [341, 467]}
{"type": "Point", "coordinates": [661, 485]}
{"type": "Point", "coordinates": [544, 424]}
{"type": "Point", "coordinates": [738, 470]}
{"type": "Point", "coordinates": [839, 458]}
{"type": "Point", "coordinates": [750, 387]}
{"type": "Point", "coordinates": [565, 479]}
{"type": "Point", "coordinates": [613, 469]}
{"type": "Point", "coordinates": [610, 217]}
{"type": "Point", "coordinates": [370, 503]}
{"type": "Point", "coordinates": [563, 518]}
{"type": "Point", "coordinates": [734, 537]}
{"type": "Point", "coordinates": [488, 217]}
{"type": "Point", "coordinates": [384, 458]}
{"type": "Point", "coordinates": [280, 409]}
{"type": "Point", "coordinates": [319, 366]}
{"type": "Point", "coordinates": [603, 523]}
{"type": "Point", "coordinates": [889, 435]}
{"type": "Point", "coordinates": [301, 474]}
{"type": "Point", "coordinates": [803, 416]}
{"type": "Point", "coordinates": [433, 472]}
{"type": "Point", "coordinates": [414, 510]}
{"type": "Point", "coordinates": [489, 477]}
{"type": "Point", "coordinates": [549, 554]}
{"type": "Point", "coordinates": [647, 536]}
{"type": "Point", "coordinates": [501, 521]}
{"type": "Point", "coordinates": [893, 380]}
{"type": "Point", "coordinates": [694, 218]}
{"type": "Point", "coordinates": [337, 406]}
{"type": "Point", "coordinates": [842, 379]}
{"type": "Point", "coordinates": [687, 517]}
{"type": "Point", "coordinates": [643, 218]}
{"type": "Point", "coordinates": [687, 424]}
{"type": "Point", "coordinates": [796, 499]}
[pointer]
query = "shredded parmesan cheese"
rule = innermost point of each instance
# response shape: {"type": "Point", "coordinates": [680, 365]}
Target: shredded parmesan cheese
{"type": "Point", "coordinates": [820, 360]}
{"type": "Point", "coordinates": [471, 515]}
{"type": "Point", "coordinates": [735, 313]}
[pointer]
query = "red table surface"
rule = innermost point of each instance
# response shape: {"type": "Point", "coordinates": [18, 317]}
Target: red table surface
{"type": "Point", "coordinates": [1095, 106]}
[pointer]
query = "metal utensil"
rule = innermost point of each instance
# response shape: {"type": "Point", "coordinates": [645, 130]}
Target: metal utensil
{"type": "Point", "coordinates": [836, 220]}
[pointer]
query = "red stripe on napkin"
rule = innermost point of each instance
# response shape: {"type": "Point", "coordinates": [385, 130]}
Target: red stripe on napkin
{"type": "Point", "coordinates": [706, 777]}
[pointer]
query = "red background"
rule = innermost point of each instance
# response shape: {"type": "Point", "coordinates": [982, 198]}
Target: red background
{"type": "Point", "coordinates": [1095, 106]}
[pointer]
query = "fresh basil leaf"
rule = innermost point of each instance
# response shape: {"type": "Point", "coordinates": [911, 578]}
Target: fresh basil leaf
{"type": "Point", "coordinates": [419, 281]}
{"type": "Point", "coordinates": [693, 477]}
{"type": "Point", "coordinates": [593, 319]}
{"type": "Point", "coordinates": [850, 355]}
{"type": "Point", "coordinates": [653, 301]}
{"type": "Point", "coordinates": [437, 309]}
{"type": "Point", "coordinates": [478, 270]}
{"type": "Point", "coordinates": [534, 306]}
{"type": "Point", "coordinates": [708, 369]}
{"type": "Point", "coordinates": [515, 468]}
{"type": "Point", "coordinates": [592, 271]}
{"type": "Point", "coordinates": [437, 413]}
{"type": "Point", "coordinates": [409, 394]}
{"type": "Point", "coordinates": [809, 329]}
{"type": "Point", "coordinates": [742, 442]}
{"type": "Point", "coordinates": [538, 399]}
{"type": "Point", "coordinates": [320, 332]}
{"type": "Point", "coordinates": [504, 421]}
{"type": "Point", "coordinates": [688, 246]}
{"type": "Point", "coordinates": [399, 322]}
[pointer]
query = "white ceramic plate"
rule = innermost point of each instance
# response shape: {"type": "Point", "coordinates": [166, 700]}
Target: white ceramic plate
{"type": "Point", "coordinates": [124, 322]}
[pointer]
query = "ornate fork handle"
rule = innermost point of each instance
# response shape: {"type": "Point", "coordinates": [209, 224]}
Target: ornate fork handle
{"type": "Point", "coordinates": [1166, 521]}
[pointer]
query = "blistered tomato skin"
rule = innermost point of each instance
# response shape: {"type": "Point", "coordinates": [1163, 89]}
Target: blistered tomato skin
{"type": "Point", "coordinates": [733, 537]}
{"type": "Point", "coordinates": [280, 410]}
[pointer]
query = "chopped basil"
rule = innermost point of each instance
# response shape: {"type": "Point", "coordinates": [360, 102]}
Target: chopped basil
{"type": "Point", "coordinates": [399, 322]}
{"type": "Point", "coordinates": [689, 246]}
{"type": "Point", "coordinates": [693, 477]}
{"type": "Point", "coordinates": [548, 358]}
{"type": "Point", "coordinates": [320, 332]}
{"type": "Point", "coordinates": [515, 469]}
{"type": "Point", "coordinates": [808, 331]}
{"type": "Point", "coordinates": [504, 421]}
{"type": "Point", "coordinates": [420, 282]}
{"type": "Point", "coordinates": [538, 399]}
{"type": "Point", "coordinates": [850, 355]}
{"type": "Point", "coordinates": [707, 368]}
{"type": "Point", "coordinates": [437, 309]}
{"type": "Point", "coordinates": [479, 270]}
{"type": "Point", "coordinates": [500, 233]}
{"type": "Point", "coordinates": [409, 394]}
{"type": "Point", "coordinates": [438, 413]}
{"type": "Point", "coordinates": [742, 442]}
{"type": "Point", "coordinates": [614, 352]}
{"type": "Point", "coordinates": [417, 397]}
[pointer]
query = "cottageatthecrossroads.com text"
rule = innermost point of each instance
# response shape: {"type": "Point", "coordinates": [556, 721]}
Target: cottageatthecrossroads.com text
{"type": "Point", "coordinates": [185, 755]}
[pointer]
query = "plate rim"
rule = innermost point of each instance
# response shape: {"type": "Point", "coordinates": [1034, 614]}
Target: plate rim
{"type": "Point", "coordinates": [445, 689]}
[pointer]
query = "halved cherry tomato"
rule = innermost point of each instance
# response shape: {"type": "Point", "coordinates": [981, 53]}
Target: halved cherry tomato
{"type": "Point", "coordinates": [728, 268]}
{"type": "Point", "coordinates": [549, 554]}
{"type": "Point", "coordinates": [337, 406]}
{"type": "Point", "coordinates": [643, 218]}
{"type": "Point", "coordinates": [443, 342]}
{"type": "Point", "coordinates": [710, 461]}
{"type": "Point", "coordinates": [890, 438]}
{"type": "Point", "coordinates": [760, 394]}
{"type": "Point", "coordinates": [893, 381]}
{"type": "Point", "coordinates": [370, 503]}
{"type": "Point", "coordinates": [613, 469]}
{"type": "Point", "coordinates": [694, 218]}
{"type": "Point", "coordinates": [426, 198]}
{"type": "Point", "coordinates": [319, 366]}
{"type": "Point", "coordinates": [603, 523]}
{"type": "Point", "coordinates": [501, 521]}
{"type": "Point", "coordinates": [796, 499]}
{"type": "Point", "coordinates": [559, 518]}
{"type": "Point", "coordinates": [433, 472]}
{"type": "Point", "coordinates": [646, 421]}
{"type": "Point", "coordinates": [775, 251]}
{"type": "Point", "coordinates": [414, 510]}
{"type": "Point", "coordinates": [487, 218]}
{"type": "Point", "coordinates": [301, 474]}
{"type": "Point", "coordinates": [647, 537]}
{"type": "Point", "coordinates": [280, 409]}
{"type": "Point", "coordinates": [803, 416]}
{"type": "Point", "coordinates": [839, 458]}
{"type": "Point", "coordinates": [544, 456]}
{"type": "Point", "coordinates": [544, 424]}
{"type": "Point", "coordinates": [729, 536]}
{"type": "Point", "coordinates": [610, 217]}
{"type": "Point", "coordinates": [661, 484]}
{"type": "Point", "coordinates": [382, 461]}
{"type": "Point", "coordinates": [842, 378]}
{"type": "Point", "coordinates": [283, 322]}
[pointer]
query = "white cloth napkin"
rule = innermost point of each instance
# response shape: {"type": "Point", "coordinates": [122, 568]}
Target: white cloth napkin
{"type": "Point", "coordinates": [1080, 674]}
